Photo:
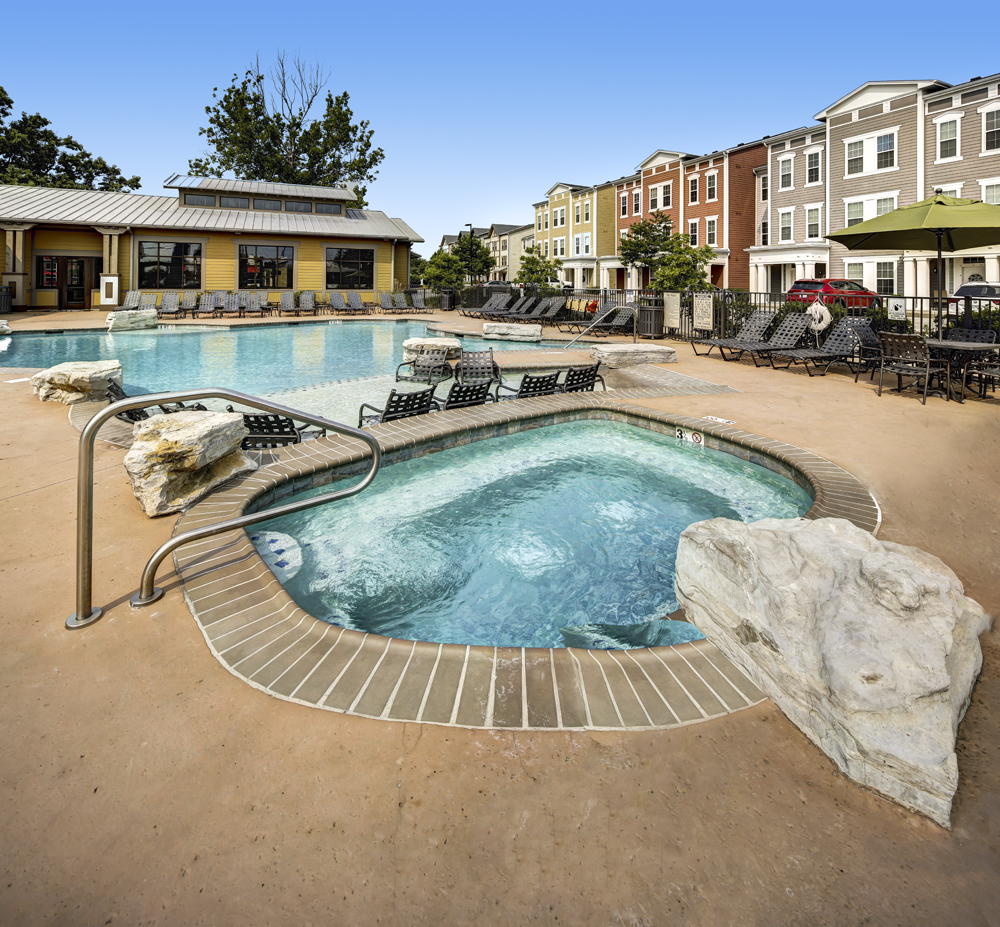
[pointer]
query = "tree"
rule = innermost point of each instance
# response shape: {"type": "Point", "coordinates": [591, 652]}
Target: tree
{"type": "Point", "coordinates": [537, 269]}
{"type": "Point", "coordinates": [646, 240]}
{"type": "Point", "coordinates": [474, 255]}
{"type": "Point", "coordinates": [262, 132]}
{"type": "Point", "coordinates": [32, 155]}
{"type": "Point", "coordinates": [417, 268]}
{"type": "Point", "coordinates": [682, 267]}
{"type": "Point", "coordinates": [444, 270]}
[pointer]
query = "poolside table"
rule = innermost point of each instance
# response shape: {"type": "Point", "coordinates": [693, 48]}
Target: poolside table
{"type": "Point", "coordinates": [968, 349]}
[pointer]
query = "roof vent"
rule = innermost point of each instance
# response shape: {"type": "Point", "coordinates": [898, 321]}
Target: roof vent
{"type": "Point", "coordinates": [979, 77]}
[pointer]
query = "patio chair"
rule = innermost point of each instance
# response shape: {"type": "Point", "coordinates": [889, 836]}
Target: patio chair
{"type": "Point", "coordinates": [753, 329]}
{"type": "Point", "coordinates": [147, 301]}
{"type": "Point", "coordinates": [578, 326]}
{"type": "Point", "coordinates": [870, 348]}
{"type": "Point", "coordinates": [545, 384]}
{"type": "Point", "coordinates": [246, 296]}
{"type": "Point", "coordinates": [418, 300]}
{"type": "Point", "coordinates": [220, 298]}
{"type": "Point", "coordinates": [385, 302]}
{"type": "Point", "coordinates": [399, 302]}
{"type": "Point", "coordinates": [355, 305]}
{"type": "Point", "coordinates": [398, 405]}
{"type": "Point", "coordinates": [336, 301]}
{"type": "Point", "coordinates": [307, 303]}
{"type": "Point", "coordinates": [518, 307]}
{"type": "Point", "coordinates": [131, 300]}
{"type": "Point", "coordinates": [464, 395]}
{"type": "Point", "coordinates": [429, 366]}
{"type": "Point", "coordinates": [268, 430]}
{"type": "Point", "coordinates": [496, 303]}
{"type": "Point", "coordinates": [255, 305]}
{"type": "Point", "coordinates": [477, 366]}
{"type": "Point", "coordinates": [189, 300]}
{"type": "Point", "coordinates": [115, 394]}
{"type": "Point", "coordinates": [206, 306]}
{"type": "Point", "coordinates": [841, 346]}
{"type": "Point", "coordinates": [170, 306]}
{"type": "Point", "coordinates": [550, 315]}
{"type": "Point", "coordinates": [287, 306]}
{"type": "Point", "coordinates": [788, 335]}
{"type": "Point", "coordinates": [231, 306]}
{"type": "Point", "coordinates": [619, 325]}
{"type": "Point", "coordinates": [908, 356]}
{"type": "Point", "coordinates": [582, 380]}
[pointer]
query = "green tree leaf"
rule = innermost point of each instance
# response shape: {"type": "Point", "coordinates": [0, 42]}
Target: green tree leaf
{"type": "Point", "coordinates": [537, 269]}
{"type": "Point", "coordinates": [474, 255]}
{"type": "Point", "coordinates": [444, 270]}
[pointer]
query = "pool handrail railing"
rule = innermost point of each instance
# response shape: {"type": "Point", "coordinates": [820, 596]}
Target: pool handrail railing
{"type": "Point", "coordinates": [598, 320]}
{"type": "Point", "coordinates": [148, 592]}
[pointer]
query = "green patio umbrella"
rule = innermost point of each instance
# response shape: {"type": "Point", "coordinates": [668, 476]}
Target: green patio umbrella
{"type": "Point", "coordinates": [941, 222]}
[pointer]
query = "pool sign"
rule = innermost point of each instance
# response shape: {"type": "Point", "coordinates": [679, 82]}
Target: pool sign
{"type": "Point", "coordinates": [897, 308]}
{"type": "Point", "coordinates": [692, 437]}
{"type": "Point", "coordinates": [703, 316]}
{"type": "Point", "coordinates": [672, 310]}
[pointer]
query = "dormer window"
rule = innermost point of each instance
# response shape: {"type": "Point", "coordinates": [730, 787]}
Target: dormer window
{"type": "Point", "coordinates": [198, 199]}
{"type": "Point", "coordinates": [267, 204]}
{"type": "Point", "coordinates": [292, 206]}
{"type": "Point", "coordinates": [234, 202]}
{"type": "Point", "coordinates": [331, 209]}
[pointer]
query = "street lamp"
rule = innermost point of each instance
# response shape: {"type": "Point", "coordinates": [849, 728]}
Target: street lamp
{"type": "Point", "coordinates": [469, 226]}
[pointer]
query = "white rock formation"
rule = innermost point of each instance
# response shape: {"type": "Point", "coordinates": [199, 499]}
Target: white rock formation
{"type": "Point", "coordinates": [412, 346]}
{"type": "Point", "coordinates": [870, 647]}
{"type": "Point", "coordinates": [177, 459]}
{"type": "Point", "coordinates": [512, 331]}
{"type": "Point", "coordinates": [5, 327]}
{"type": "Point", "coordinates": [632, 355]}
{"type": "Point", "coordinates": [76, 381]}
{"type": "Point", "coordinates": [126, 320]}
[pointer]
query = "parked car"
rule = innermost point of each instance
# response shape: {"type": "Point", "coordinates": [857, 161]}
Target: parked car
{"type": "Point", "coordinates": [984, 295]}
{"type": "Point", "coordinates": [834, 292]}
{"type": "Point", "coordinates": [491, 284]}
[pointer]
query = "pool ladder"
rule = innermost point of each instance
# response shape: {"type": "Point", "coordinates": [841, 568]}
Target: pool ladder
{"type": "Point", "coordinates": [86, 613]}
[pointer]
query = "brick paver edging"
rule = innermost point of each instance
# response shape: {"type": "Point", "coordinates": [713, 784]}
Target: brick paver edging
{"type": "Point", "coordinates": [259, 634]}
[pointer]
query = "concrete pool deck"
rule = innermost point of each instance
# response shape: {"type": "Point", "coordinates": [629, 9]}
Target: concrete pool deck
{"type": "Point", "coordinates": [143, 783]}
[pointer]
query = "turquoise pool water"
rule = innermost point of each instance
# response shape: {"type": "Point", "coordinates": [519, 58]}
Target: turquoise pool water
{"type": "Point", "coordinates": [563, 533]}
{"type": "Point", "coordinates": [260, 360]}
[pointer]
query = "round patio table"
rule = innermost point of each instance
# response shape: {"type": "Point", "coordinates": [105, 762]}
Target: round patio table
{"type": "Point", "coordinates": [968, 349]}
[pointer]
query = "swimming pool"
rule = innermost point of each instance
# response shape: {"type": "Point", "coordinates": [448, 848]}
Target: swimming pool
{"type": "Point", "coordinates": [554, 535]}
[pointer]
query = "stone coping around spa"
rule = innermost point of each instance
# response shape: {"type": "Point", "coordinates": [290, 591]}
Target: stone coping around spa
{"type": "Point", "coordinates": [257, 631]}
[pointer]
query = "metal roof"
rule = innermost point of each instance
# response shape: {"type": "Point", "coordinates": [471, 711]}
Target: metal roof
{"type": "Point", "coordinates": [137, 210]}
{"type": "Point", "coordinates": [179, 181]}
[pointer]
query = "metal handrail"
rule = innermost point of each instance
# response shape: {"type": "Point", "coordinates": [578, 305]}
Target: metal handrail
{"type": "Point", "coordinates": [148, 592]}
{"type": "Point", "coordinates": [591, 325]}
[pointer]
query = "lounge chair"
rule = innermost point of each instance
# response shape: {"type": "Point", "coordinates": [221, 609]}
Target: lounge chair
{"type": "Point", "coordinates": [385, 302]}
{"type": "Point", "coordinates": [621, 324]}
{"type": "Point", "coordinates": [307, 303]}
{"type": "Point", "coordinates": [463, 395]}
{"type": "Point", "coordinates": [255, 305]}
{"type": "Point", "coordinates": [287, 306]}
{"type": "Point", "coordinates": [418, 300]}
{"type": "Point", "coordinates": [517, 308]}
{"type": "Point", "coordinates": [131, 300]}
{"type": "Point", "coordinates": [870, 348]}
{"type": "Point", "coordinates": [170, 306]}
{"type": "Point", "coordinates": [219, 297]}
{"type": "Point", "coordinates": [336, 301]}
{"type": "Point", "coordinates": [231, 306]}
{"type": "Point", "coordinates": [355, 305]}
{"type": "Point", "coordinates": [429, 366]}
{"type": "Point", "coordinates": [269, 430]}
{"type": "Point", "coordinates": [753, 329]}
{"type": "Point", "coordinates": [399, 302]}
{"type": "Point", "coordinates": [398, 405]}
{"type": "Point", "coordinates": [582, 379]}
{"type": "Point", "coordinates": [545, 384]}
{"type": "Point", "coordinates": [908, 356]}
{"type": "Point", "coordinates": [116, 394]}
{"type": "Point", "coordinates": [550, 315]}
{"type": "Point", "coordinates": [787, 336]}
{"type": "Point", "coordinates": [477, 366]}
{"type": "Point", "coordinates": [206, 306]}
{"type": "Point", "coordinates": [570, 326]}
{"type": "Point", "coordinates": [495, 303]}
{"type": "Point", "coordinates": [147, 301]}
{"type": "Point", "coordinates": [189, 300]}
{"type": "Point", "coordinates": [841, 346]}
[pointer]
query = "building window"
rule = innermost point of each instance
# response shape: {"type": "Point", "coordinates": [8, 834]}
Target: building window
{"type": "Point", "coordinates": [668, 191]}
{"type": "Point", "coordinates": [947, 140]}
{"type": "Point", "coordinates": [586, 211]}
{"type": "Point", "coordinates": [710, 232]}
{"type": "Point", "coordinates": [265, 267]}
{"type": "Point", "coordinates": [711, 182]}
{"type": "Point", "coordinates": [855, 157]}
{"type": "Point", "coordinates": [885, 148]}
{"type": "Point", "coordinates": [991, 193]}
{"type": "Point", "coordinates": [546, 220]}
{"type": "Point", "coordinates": [576, 244]}
{"type": "Point", "coordinates": [169, 265]}
{"type": "Point", "coordinates": [559, 247]}
{"type": "Point", "coordinates": [693, 232]}
{"type": "Point", "coordinates": [693, 190]}
{"type": "Point", "coordinates": [855, 213]}
{"type": "Point", "coordinates": [46, 273]}
{"type": "Point", "coordinates": [991, 127]}
{"type": "Point", "coordinates": [855, 272]}
{"type": "Point", "coordinates": [884, 204]}
{"type": "Point", "coordinates": [576, 214]}
{"type": "Point", "coordinates": [234, 202]}
{"type": "Point", "coordinates": [624, 204]}
{"type": "Point", "coordinates": [539, 226]}
{"type": "Point", "coordinates": [503, 245]}
{"type": "Point", "coordinates": [267, 204]}
{"type": "Point", "coordinates": [812, 167]}
{"type": "Point", "coordinates": [198, 199]}
{"type": "Point", "coordinates": [763, 233]}
{"type": "Point", "coordinates": [812, 223]}
{"type": "Point", "coordinates": [763, 188]}
{"type": "Point", "coordinates": [885, 278]}
{"type": "Point", "coordinates": [586, 242]}
{"type": "Point", "coordinates": [546, 247]}
{"type": "Point", "coordinates": [785, 233]}
{"type": "Point", "coordinates": [350, 268]}
{"type": "Point", "coordinates": [291, 206]}
{"type": "Point", "coordinates": [636, 203]}
{"type": "Point", "coordinates": [560, 215]}
{"type": "Point", "coordinates": [331, 209]}
{"type": "Point", "coordinates": [785, 170]}
{"type": "Point", "coordinates": [653, 199]}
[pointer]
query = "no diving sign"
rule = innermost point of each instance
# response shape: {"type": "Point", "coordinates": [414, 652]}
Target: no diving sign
{"type": "Point", "coordinates": [692, 437]}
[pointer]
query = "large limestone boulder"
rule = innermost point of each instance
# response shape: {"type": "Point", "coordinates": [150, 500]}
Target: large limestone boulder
{"type": "Point", "coordinates": [5, 327]}
{"type": "Point", "coordinates": [512, 331]}
{"type": "Point", "coordinates": [177, 459]}
{"type": "Point", "coordinates": [869, 647]}
{"type": "Point", "coordinates": [77, 381]}
{"type": "Point", "coordinates": [127, 320]}
{"type": "Point", "coordinates": [413, 346]}
{"type": "Point", "coordinates": [632, 355]}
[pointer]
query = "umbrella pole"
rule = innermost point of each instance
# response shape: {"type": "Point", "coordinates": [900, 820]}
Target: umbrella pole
{"type": "Point", "coordinates": [940, 280]}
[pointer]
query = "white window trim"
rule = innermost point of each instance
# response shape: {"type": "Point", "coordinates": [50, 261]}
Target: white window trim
{"type": "Point", "coordinates": [622, 205]}
{"type": "Point", "coordinates": [807, 207]}
{"type": "Point", "coordinates": [786, 156]}
{"type": "Point", "coordinates": [669, 185]}
{"type": "Point", "coordinates": [586, 211]}
{"type": "Point", "coordinates": [654, 192]}
{"type": "Point", "coordinates": [577, 244]}
{"type": "Point", "coordinates": [813, 149]}
{"type": "Point", "coordinates": [871, 203]}
{"type": "Point", "coordinates": [714, 219]}
{"type": "Point", "coordinates": [956, 117]}
{"type": "Point", "coordinates": [957, 187]}
{"type": "Point", "coordinates": [693, 223]}
{"type": "Point", "coordinates": [869, 268]}
{"type": "Point", "coordinates": [715, 174]}
{"type": "Point", "coordinates": [637, 202]}
{"type": "Point", "coordinates": [870, 153]}
{"type": "Point", "coordinates": [989, 107]}
{"type": "Point", "coordinates": [687, 193]}
{"type": "Point", "coordinates": [984, 183]}
{"type": "Point", "coordinates": [790, 212]}
{"type": "Point", "coordinates": [586, 244]}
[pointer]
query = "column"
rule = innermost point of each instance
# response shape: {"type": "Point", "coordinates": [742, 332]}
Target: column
{"type": "Point", "coordinates": [993, 267]}
{"type": "Point", "coordinates": [14, 273]}
{"type": "Point", "coordinates": [909, 276]}
{"type": "Point", "coordinates": [110, 277]}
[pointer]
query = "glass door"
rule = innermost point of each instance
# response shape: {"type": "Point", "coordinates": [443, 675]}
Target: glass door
{"type": "Point", "coordinates": [76, 283]}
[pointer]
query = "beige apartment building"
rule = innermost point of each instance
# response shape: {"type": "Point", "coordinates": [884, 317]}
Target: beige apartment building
{"type": "Point", "coordinates": [575, 223]}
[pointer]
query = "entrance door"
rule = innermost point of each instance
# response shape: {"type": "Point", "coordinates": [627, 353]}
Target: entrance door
{"type": "Point", "coordinates": [776, 281]}
{"type": "Point", "coordinates": [76, 278]}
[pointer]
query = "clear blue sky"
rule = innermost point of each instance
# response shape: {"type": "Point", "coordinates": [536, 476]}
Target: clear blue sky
{"type": "Point", "coordinates": [480, 108]}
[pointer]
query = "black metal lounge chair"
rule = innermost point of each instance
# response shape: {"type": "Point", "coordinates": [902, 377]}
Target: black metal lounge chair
{"type": "Point", "coordinates": [753, 329]}
{"type": "Point", "coordinates": [385, 302]}
{"type": "Point", "coordinates": [908, 356]}
{"type": "Point", "coordinates": [116, 394]}
{"type": "Point", "coordinates": [621, 324]}
{"type": "Point", "coordinates": [206, 306]}
{"type": "Point", "coordinates": [399, 303]}
{"type": "Point", "coordinates": [496, 306]}
{"type": "Point", "coordinates": [418, 300]}
{"type": "Point", "coordinates": [429, 366]}
{"type": "Point", "coordinates": [477, 366]}
{"type": "Point", "coordinates": [788, 335]}
{"type": "Point", "coordinates": [841, 346]}
{"type": "Point", "coordinates": [550, 315]}
{"type": "Point", "coordinates": [355, 305]}
{"type": "Point", "coordinates": [870, 348]}
{"type": "Point", "coordinates": [269, 430]}
{"type": "Point", "coordinates": [605, 312]}
{"type": "Point", "coordinates": [582, 379]}
{"type": "Point", "coordinates": [516, 310]}
{"type": "Point", "coordinates": [545, 384]}
{"type": "Point", "coordinates": [398, 405]}
{"type": "Point", "coordinates": [463, 395]}
{"type": "Point", "coordinates": [170, 306]}
{"type": "Point", "coordinates": [491, 305]}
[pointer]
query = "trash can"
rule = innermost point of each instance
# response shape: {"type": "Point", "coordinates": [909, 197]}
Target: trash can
{"type": "Point", "coordinates": [446, 298]}
{"type": "Point", "coordinates": [6, 294]}
{"type": "Point", "coordinates": [650, 322]}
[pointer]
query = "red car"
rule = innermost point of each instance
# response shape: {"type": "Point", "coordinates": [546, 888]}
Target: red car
{"type": "Point", "coordinates": [846, 294]}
